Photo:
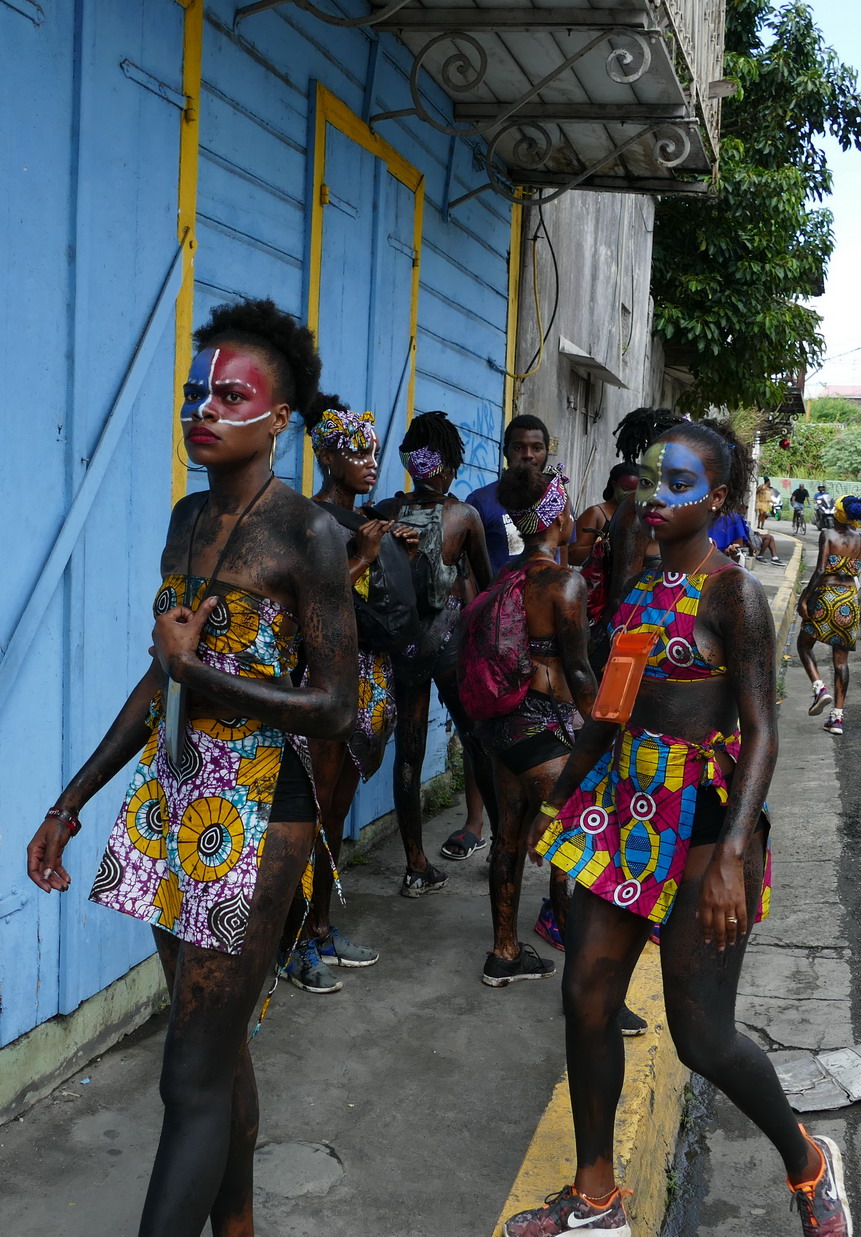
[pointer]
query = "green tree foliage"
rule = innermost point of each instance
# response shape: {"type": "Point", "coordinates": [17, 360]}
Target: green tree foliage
{"type": "Point", "coordinates": [731, 271]}
{"type": "Point", "coordinates": [841, 459]}
{"type": "Point", "coordinates": [835, 409]}
{"type": "Point", "coordinates": [805, 456]}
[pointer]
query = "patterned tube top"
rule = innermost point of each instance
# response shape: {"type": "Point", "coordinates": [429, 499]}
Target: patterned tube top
{"type": "Point", "coordinates": [675, 657]}
{"type": "Point", "coordinates": [246, 634]}
{"type": "Point", "coordinates": [841, 565]}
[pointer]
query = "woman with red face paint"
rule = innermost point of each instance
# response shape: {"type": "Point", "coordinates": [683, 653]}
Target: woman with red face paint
{"type": "Point", "coordinates": [219, 824]}
{"type": "Point", "coordinates": [670, 829]}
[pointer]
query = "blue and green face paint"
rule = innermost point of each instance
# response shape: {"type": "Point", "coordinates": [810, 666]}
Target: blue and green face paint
{"type": "Point", "coordinates": [672, 474]}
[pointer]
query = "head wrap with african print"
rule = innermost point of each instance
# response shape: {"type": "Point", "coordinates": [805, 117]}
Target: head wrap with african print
{"type": "Point", "coordinates": [339, 430]}
{"type": "Point", "coordinates": [541, 514]}
{"type": "Point", "coordinates": [848, 510]}
{"type": "Point", "coordinates": [422, 463]}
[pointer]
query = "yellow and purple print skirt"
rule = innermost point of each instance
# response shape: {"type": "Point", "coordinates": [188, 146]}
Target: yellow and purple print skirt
{"type": "Point", "coordinates": [187, 844]}
{"type": "Point", "coordinates": [833, 616]}
{"type": "Point", "coordinates": [625, 832]}
{"type": "Point", "coordinates": [376, 717]}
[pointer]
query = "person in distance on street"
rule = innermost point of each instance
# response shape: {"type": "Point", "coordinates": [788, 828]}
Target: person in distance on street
{"type": "Point", "coordinates": [828, 608]}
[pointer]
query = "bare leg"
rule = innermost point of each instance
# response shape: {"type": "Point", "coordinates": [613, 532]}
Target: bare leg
{"type": "Point", "coordinates": [336, 777]}
{"type": "Point", "coordinates": [840, 657]}
{"type": "Point", "coordinates": [602, 945]}
{"type": "Point", "coordinates": [700, 986]}
{"type": "Point", "coordinates": [518, 798]}
{"type": "Point", "coordinates": [204, 1161]}
{"type": "Point", "coordinates": [413, 704]}
{"type": "Point", "coordinates": [474, 801]}
{"type": "Point", "coordinates": [804, 647]}
{"type": "Point", "coordinates": [446, 684]}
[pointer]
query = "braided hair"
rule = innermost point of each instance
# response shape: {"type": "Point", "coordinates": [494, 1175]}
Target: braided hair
{"type": "Point", "coordinates": [434, 430]}
{"type": "Point", "coordinates": [288, 346]}
{"type": "Point", "coordinates": [636, 432]}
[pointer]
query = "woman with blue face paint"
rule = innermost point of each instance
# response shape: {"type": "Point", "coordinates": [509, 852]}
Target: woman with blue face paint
{"type": "Point", "coordinates": [218, 828]}
{"type": "Point", "coordinates": [659, 819]}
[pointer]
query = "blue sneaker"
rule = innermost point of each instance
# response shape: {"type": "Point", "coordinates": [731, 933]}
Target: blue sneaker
{"type": "Point", "coordinates": [547, 927]}
{"type": "Point", "coordinates": [307, 970]}
{"type": "Point", "coordinates": [335, 948]}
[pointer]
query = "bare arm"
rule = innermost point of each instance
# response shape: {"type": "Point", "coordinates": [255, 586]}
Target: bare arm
{"type": "Point", "coordinates": [747, 630]}
{"type": "Point", "coordinates": [572, 638]}
{"type": "Point", "coordinates": [818, 572]}
{"type": "Point", "coordinates": [476, 547]}
{"type": "Point", "coordinates": [589, 524]}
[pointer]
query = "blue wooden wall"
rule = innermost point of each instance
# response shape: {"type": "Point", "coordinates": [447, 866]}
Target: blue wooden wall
{"type": "Point", "coordinates": [90, 201]}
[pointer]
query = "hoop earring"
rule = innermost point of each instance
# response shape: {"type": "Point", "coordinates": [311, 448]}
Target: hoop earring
{"type": "Point", "coordinates": [187, 464]}
{"type": "Point", "coordinates": [272, 453]}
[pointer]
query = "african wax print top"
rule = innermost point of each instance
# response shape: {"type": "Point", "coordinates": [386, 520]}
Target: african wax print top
{"type": "Point", "coordinates": [669, 601]}
{"type": "Point", "coordinates": [625, 832]}
{"type": "Point", "coordinates": [841, 565]}
{"type": "Point", "coordinates": [187, 844]}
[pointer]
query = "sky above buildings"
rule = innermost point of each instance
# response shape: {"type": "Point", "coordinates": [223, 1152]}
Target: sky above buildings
{"type": "Point", "coordinates": [840, 22]}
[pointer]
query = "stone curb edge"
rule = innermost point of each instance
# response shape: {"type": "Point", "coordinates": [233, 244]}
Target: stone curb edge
{"type": "Point", "coordinates": [653, 1099]}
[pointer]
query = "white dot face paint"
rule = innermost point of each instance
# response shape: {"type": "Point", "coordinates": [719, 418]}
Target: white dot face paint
{"type": "Point", "coordinates": [226, 387]}
{"type": "Point", "coordinates": [673, 475]}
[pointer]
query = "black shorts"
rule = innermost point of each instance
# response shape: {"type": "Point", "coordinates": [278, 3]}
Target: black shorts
{"type": "Point", "coordinates": [709, 817]}
{"type": "Point", "coordinates": [294, 797]}
{"type": "Point", "coordinates": [536, 750]}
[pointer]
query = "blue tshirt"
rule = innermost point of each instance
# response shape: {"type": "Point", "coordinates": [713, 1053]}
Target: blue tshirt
{"type": "Point", "coordinates": [728, 528]}
{"type": "Point", "coordinates": [503, 539]}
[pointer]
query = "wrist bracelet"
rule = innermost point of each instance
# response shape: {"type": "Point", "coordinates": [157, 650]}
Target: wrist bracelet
{"type": "Point", "coordinates": [69, 819]}
{"type": "Point", "coordinates": [549, 810]}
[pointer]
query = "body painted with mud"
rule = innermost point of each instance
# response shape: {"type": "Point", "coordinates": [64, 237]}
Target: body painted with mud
{"type": "Point", "coordinates": [285, 549]}
{"type": "Point", "coordinates": [683, 484]}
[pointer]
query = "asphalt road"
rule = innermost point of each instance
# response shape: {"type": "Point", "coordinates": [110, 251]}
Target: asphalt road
{"type": "Point", "coordinates": [800, 988]}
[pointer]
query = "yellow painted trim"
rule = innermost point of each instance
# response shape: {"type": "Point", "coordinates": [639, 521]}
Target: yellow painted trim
{"type": "Point", "coordinates": [515, 254]}
{"type": "Point", "coordinates": [647, 1122]}
{"type": "Point", "coordinates": [189, 147]}
{"type": "Point", "coordinates": [330, 110]}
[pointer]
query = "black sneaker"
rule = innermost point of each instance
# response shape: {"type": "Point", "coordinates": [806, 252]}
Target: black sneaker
{"type": "Point", "coordinates": [527, 965]}
{"type": "Point", "coordinates": [631, 1023]}
{"type": "Point", "coordinates": [417, 884]}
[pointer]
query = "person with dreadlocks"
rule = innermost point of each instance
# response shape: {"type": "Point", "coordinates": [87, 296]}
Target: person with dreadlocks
{"type": "Point", "coordinates": [219, 824]}
{"type": "Point", "coordinates": [670, 828]}
{"type": "Point", "coordinates": [451, 543]}
{"type": "Point", "coordinates": [828, 608]}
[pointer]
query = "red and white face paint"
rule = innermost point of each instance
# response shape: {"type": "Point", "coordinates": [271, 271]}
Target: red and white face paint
{"type": "Point", "coordinates": [225, 386]}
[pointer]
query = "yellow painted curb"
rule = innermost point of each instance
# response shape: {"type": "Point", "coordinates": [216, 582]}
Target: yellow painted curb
{"type": "Point", "coordinates": [781, 607]}
{"type": "Point", "coordinates": [647, 1122]}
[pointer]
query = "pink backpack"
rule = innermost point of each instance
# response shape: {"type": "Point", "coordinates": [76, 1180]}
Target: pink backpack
{"type": "Point", "coordinates": [494, 662]}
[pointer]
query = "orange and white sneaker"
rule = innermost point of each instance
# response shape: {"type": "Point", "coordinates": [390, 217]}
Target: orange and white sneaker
{"type": "Point", "coordinates": [822, 1203]}
{"type": "Point", "coordinates": [568, 1212]}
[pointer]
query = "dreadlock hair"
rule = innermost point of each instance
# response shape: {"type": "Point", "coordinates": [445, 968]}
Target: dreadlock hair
{"type": "Point", "coordinates": [723, 453]}
{"type": "Point", "coordinates": [617, 471]}
{"type": "Point", "coordinates": [434, 430]}
{"type": "Point", "coordinates": [636, 432]}
{"type": "Point", "coordinates": [288, 346]}
{"type": "Point", "coordinates": [321, 403]}
{"type": "Point", "coordinates": [525, 421]}
{"type": "Point", "coordinates": [521, 486]}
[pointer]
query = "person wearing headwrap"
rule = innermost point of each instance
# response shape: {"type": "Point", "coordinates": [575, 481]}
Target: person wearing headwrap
{"type": "Point", "coordinates": [345, 445]}
{"type": "Point", "coordinates": [452, 549]}
{"type": "Point", "coordinates": [829, 609]}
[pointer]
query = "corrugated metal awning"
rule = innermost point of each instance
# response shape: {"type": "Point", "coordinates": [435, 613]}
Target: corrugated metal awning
{"type": "Point", "coordinates": [565, 93]}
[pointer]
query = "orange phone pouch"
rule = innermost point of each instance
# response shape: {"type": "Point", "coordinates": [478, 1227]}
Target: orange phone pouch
{"type": "Point", "coordinates": [622, 676]}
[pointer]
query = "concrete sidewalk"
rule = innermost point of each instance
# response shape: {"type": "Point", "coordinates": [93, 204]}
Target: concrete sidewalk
{"type": "Point", "coordinates": [403, 1105]}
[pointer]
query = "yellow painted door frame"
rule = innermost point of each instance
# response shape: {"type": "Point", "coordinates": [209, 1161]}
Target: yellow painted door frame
{"type": "Point", "coordinates": [515, 255]}
{"type": "Point", "coordinates": [330, 110]}
{"type": "Point", "coordinates": [189, 153]}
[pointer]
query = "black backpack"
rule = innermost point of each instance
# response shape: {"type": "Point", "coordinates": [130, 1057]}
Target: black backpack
{"type": "Point", "coordinates": [386, 620]}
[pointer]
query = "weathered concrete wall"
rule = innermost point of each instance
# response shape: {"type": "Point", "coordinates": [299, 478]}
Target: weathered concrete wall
{"type": "Point", "coordinates": [603, 246]}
